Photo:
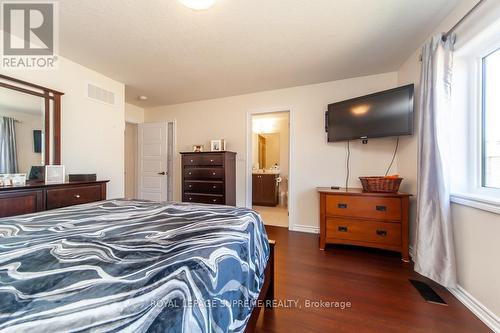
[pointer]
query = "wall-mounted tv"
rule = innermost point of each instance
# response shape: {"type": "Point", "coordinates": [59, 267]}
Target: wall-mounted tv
{"type": "Point", "coordinates": [385, 113]}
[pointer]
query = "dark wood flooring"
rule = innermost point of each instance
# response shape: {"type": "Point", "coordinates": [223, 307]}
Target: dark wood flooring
{"type": "Point", "coordinates": [374, 282]}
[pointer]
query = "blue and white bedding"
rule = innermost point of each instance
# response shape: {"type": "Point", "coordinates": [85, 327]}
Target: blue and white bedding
{"type": "Point", "coordinates": [131, 266]}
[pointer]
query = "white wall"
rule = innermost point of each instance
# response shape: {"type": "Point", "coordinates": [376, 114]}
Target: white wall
{"type": "Point", "coordinates": [92, 134]}
{"type": "Point", "coordinates": [477, 233]}
{"type": "Point", "coordinates": [314, 162]}
{"type": "Point", "coordinates": [134, 114]}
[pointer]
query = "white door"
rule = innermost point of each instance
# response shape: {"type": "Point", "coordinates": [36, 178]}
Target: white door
{"type": "Point", "coordinates": [152, 166]}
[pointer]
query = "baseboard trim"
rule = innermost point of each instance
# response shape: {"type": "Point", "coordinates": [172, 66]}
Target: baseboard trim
{"type": "Point", "coordinates": [483, 313]}
{"type": "Point", "coordinates": [477, 308]}
{"type": "Point", "coordinates": [305, 228]}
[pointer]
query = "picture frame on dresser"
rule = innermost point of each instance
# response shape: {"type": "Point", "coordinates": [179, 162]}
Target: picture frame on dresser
{"type": "Point", "coordinates": [218, 145]}
{"type": "Point", "coordinates": [55, 174]}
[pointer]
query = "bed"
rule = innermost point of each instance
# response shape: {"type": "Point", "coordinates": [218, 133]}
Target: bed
{"type": "Point", "coordinates": [134, 266]}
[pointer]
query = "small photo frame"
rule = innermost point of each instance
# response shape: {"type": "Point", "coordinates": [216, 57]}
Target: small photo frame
{"type": "Point", "coordinates": [4, 180]}
{"type": "Point", "coordinates": [18, 179]}
{"type": "Point", "coordinates": [13, 179]}
{"type": "Point", "coordinates": [54, 174]}
{"type": "Point", "coordinates": [197, 148]}
{"type": "Point", "coordinates": [218, 145]}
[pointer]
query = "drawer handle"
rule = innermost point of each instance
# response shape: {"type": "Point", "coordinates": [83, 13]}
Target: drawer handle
{"type": "Point", "coordinates": [342, 205]}
{"type": "Point", "coordinates": [190, 186]}
{"type": "Point", "coordinates": [77, 196]}
{"type": "Point", "coordinates": [381, 208]}
{"type": "Point", "coordinates": [382, 233]}
{"type": "Point", "coordinates": [215, 186]}
{"type": "Point", "coordinates": [191, 161]}
{"type": "Point", "coordinates": [212, 161]}
{"type": "Point", "coordinates": [342, 229]}
{"type": "Point", "coordinates": [189, 173]}
{"type": "Point", "coordinates": [214, 200]}
{"type": "Point", "coordinates": [190, 199]}
{"type": "Point", "coordinates": [213, 173]}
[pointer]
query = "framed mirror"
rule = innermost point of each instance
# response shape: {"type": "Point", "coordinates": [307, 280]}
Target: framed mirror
{"type": "Point", "coordinates": [30, 126]}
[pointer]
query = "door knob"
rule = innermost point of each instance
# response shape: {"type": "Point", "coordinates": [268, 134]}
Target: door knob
{"type": "Point", "coordinates": [163, 173]}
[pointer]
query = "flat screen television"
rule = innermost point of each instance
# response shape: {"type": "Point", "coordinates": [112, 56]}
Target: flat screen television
{"type": "Point", "coordinates": [385, 113]}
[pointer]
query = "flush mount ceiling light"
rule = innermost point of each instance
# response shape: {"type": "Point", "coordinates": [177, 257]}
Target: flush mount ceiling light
{"type": "Point", "coordinates": [142, 98]}
{"type": "Point", "coordinates": [198, 4]}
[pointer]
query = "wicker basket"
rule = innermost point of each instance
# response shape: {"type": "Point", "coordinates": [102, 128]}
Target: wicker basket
{"type": "Point", "coordinates": [381, 184]}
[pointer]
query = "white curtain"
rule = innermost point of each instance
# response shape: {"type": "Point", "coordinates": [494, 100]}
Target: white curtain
{"type": "Point", "coordinates": [433, 246]}
{"type": "Point", "coordinates": [8, 150]}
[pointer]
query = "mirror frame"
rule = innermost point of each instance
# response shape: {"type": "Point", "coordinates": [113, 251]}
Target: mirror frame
{"type": "Point", "coordinates": [47, 94]}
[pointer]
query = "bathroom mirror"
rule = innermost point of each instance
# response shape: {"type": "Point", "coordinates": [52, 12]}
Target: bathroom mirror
{"type": "Point", "coordinates": [269, 150]}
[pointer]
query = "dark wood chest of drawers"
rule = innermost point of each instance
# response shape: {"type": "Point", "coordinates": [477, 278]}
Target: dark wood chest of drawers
{"type": "Point", "coordinates": [378, 220]}
{"type": "Point", "coordinates": [37, 197]}
{"type": "Point", "coordinates": [209, 177]}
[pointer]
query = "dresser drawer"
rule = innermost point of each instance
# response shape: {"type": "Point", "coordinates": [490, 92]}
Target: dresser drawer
{"type": "Point", "coordinates": [63, 197]}
{"type": "Point", "coordinates": [201, 198]}
{"type": "Point", "coordinates": [20, 202]}
{"type": "Point", "coordinates": [203, 160]}
{"type": "Point", "coordinates": [364, 231]}
{"type": "Point", "coordinates": [193, 186]}
{"type": "Point", "coordinates": [380, 208]}
{"type": "Point", "coordinates": [203, 173]}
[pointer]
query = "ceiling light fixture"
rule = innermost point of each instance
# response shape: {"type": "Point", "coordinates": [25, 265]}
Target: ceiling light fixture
{"type": "Point", "coordinates": [143, 98]}
{"type": "Point", "coordinates": [198, 4]}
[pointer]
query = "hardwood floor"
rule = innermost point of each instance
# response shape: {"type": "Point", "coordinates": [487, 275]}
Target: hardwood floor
{"type": "Point", "coordinates": [375, 282]}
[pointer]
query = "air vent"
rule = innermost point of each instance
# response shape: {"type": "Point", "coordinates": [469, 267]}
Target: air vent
{"type": "Point", "coordinates": [99, 94]}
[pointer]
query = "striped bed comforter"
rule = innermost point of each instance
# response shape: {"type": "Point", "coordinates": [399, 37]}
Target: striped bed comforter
{"type": "Point", "coordinates": [131, 266]}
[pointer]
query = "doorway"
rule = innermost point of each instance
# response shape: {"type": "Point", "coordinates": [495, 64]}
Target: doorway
{"type": "Point", "coordinates": [270, 165]}
{"type": "Point", "coordinates": [149, 160]}
{"type": "Point", "coordinates": [130, 160]}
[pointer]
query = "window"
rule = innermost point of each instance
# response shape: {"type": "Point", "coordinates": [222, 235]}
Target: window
{"type": "Point", "coordinates": [491, 120]}
{"type": "Point", "coordinates": [475, 121]}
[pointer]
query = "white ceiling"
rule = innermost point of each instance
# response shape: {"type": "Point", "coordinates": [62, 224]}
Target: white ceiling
{"type": "Point", "coordinates": [173, 54]}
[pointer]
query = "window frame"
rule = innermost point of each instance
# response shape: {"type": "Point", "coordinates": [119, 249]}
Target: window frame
{"type": "Point", "coordinates": [471, 192]}
{"type": "Point", "coordinates": [476, 184]}
{"type": "Point", "coordinates": [482, 97]}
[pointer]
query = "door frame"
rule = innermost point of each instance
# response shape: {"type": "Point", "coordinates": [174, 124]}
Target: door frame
{"type": "Point", "coordinates": [171, 171]}
{"type": "Point", "coordinates": [291, 147]}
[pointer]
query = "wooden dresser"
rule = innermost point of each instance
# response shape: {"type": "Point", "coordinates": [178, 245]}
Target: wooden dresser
{"type": "Point", "coordinates": [354, 217]}
{"type": "Point", "coordinates": [265, 189]}
{"type": "Point", "coordinates": [209, 177]}
{"type": "Point", "coordinates": [37, 197]}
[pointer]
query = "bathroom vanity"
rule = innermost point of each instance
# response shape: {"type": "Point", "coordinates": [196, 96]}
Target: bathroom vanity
{"type": "Point", "coordinates": [265, 189]}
